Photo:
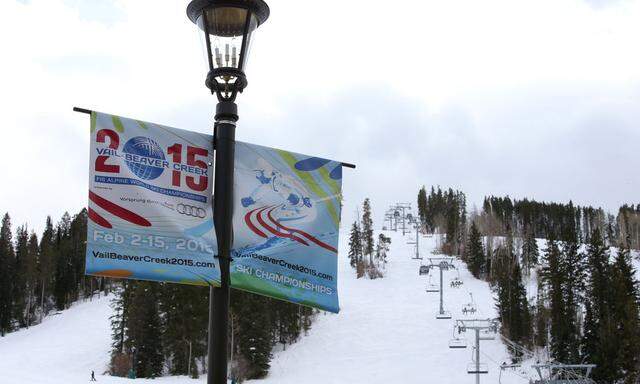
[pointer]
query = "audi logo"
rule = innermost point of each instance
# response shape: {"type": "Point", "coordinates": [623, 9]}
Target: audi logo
{"type": "Point", "coordinates": [190, 210]}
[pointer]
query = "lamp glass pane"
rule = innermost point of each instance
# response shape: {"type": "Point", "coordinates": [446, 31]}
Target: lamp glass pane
{"type": "Point", "coordinates": [226, 29]}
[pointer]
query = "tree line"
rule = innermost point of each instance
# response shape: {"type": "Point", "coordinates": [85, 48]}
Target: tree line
{"type": "Point", "coordinates": [501, 215]}
{"type": "Point", "coordinates": [366, 255]}
{"type": "Point", "coordinates": [587, 305]}
{"type": "Point", "coordinates": [156, 328]}
{"type": "Point", "coordinates": [444, 211]}
{"type": "Point", "coordinates": [160, 328]}
{"type": "Point", "coordinates": [38, 276]}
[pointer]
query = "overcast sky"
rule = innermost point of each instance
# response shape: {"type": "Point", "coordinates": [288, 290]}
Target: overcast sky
{"type": "Point", "coordinates": [535, 98]}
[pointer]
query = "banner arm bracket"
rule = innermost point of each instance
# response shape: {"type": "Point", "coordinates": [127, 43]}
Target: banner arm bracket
{"type": "Point", "coordinates": [82, 110]}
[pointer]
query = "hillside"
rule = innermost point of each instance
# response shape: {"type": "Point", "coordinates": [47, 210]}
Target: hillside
{"type": "Point", "coordinates": [386, 331]}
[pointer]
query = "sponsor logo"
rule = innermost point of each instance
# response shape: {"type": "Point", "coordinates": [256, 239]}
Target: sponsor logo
{"type": "Point", "coordinates": [190, 210]}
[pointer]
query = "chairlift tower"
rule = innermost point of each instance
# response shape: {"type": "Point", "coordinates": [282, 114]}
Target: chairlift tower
{"type": "Point", "coordinates": [403, 207]}
{"type": "Point", "coordinates": [478, 325]}
{"type": "Point", "coordinates": [393, 218]}
{"type": "Point", "coordinates": [443, 264]}
{"type": "Point", "coordinates": [389, 217]}
{"type": "Point", "coordinates": [417, 242]}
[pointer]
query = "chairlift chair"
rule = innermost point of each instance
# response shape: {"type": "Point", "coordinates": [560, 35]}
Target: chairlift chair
{"type": "Point", "coordinates": [457, 282]}
{"type": "Point", "coordinates": [445, 315]}
{"type": "Point", "coordinates": [424, 270]}
{"type": "Point", "coordinates": [431, 287]}
{"type": "Point", "coordinates": [513, 367]}
{"type": "Point", "coordinates": [470, 308]}
{"type": "Point", "coordinates": [457, 342]}
{"type": "Point", "coordinates": [480, 368]}
{"type": "Point", "coordinates": [445, 266]}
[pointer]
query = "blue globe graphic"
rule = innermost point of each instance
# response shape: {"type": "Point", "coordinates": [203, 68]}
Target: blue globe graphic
{"type": "Point", "coordinates": [145, 147]}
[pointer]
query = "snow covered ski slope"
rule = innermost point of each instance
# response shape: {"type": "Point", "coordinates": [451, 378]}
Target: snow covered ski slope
{"type": "Point", "coordinates": [386, 332]}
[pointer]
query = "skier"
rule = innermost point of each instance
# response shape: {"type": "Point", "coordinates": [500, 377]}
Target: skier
{"type": "Point", "coordinates": [93, 376]}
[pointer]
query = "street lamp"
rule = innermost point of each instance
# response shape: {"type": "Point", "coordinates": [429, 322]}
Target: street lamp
{"type": "Point", "coordinates": [228, 26]}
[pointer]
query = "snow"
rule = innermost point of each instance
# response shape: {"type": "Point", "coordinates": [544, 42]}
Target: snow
{"type": "Point", "coordinates": [385, 332]}
{"type": "Point", "coordinates": [64, 348]}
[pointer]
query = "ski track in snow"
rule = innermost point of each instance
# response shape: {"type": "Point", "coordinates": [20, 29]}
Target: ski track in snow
{"type": "Point", "coordinates": [386, 332]}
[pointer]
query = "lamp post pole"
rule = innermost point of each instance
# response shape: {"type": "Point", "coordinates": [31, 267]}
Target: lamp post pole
{"type": "Point", "coordinates": [228, 26]}
{"type": "Point", "coordinates": [224, 140]}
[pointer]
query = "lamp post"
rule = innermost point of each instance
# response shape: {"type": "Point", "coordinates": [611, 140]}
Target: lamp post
{"type": "Point", "coordinates": [228, 26]}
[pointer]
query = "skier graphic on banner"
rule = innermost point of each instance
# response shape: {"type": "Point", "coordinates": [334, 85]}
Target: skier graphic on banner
{"type": "Point", "coordinates": [296, 203]}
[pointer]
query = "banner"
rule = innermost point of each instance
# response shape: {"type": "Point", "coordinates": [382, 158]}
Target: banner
{"type": "Point", "coordinates": [150, 214]}
{"type": "Point", "coordinates": [286, 219]}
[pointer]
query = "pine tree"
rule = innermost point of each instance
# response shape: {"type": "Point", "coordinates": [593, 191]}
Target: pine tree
{"type": "Point", "coordinates": [355, 245]}
{"type": "Point", "coordinates": [512, 304]}
{"type": "Point", "coordinates": [422, 205]}
{"type": "Point", "coordinates": [541, 317]}
{"type": "Point", "coordinates": [382, 247]}
{"type": "Point", "coordinates": [574, 270]}
{"type": "Point", "coordinates": [7, 267]}
{"type": "Point", "coordinates": [45, 265]}
{"type": "Point", "coordinates": [64, 277]}
{"type": "Point", "coordinates": [530, 253]}
{"type": "Point", "coordinates": [254, 333]}
{"type": "Point", "coordinates": [144, 332]}
{"type": "Point", "coordinates": [120, 304]}
{"type": "Point", "coordinates": [19, 279]}
{"type": "Point", "coordinates": [367, 230]}
{"type": "Point", "coordinates": [31, 276]}
{"type": "Point", "coordinates": [627, 315]}
{"type": "Point", "coordinates": [474, 252]}
{"type": "Point", "coordinates": [185, 312]}
{"type": "Point", "coordinates": [355, 250]}
{"type": "Point", "coordinates": [553, 276]}
{"type": "Point", "coordinates": [599, 337]}
{"type": "Point", "coordinates": [78, 247]}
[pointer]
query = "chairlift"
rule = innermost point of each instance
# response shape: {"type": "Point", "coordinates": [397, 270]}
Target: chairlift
{"type": "Point", "coordinates": [474, 368]}
{"type": "Point", "coordinates": [457, 282]}
{"type": "Point", "coordinates": [431, 287]}
{"type": "Point", "coordinates": [445, 266]}
{"type": "Point", "coordinates": [445, 315]}
{"type": "Point", "coordinates": [424, 270]}
{"type": "Point", "coordinates": [457, 342]}
{"type": "Point", "coordinates": [512, 367]}
{"type": "Point", "coordinates": [470, 308]}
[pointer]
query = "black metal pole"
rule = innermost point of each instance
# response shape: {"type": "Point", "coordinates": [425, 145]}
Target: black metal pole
{"type": "Point", "coordinates": [224, 142]}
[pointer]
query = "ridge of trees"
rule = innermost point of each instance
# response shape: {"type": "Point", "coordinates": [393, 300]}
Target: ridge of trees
{"type": "Point", "coordinates": [587, 304]}
{"type": "Point", "coordinates": [367, 256]}
{"type": "Point", "coordinates": [156, 328]}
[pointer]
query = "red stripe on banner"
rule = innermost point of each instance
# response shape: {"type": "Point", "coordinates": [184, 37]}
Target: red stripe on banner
{"type": "Point", "coordinates": [275, 231]}
{"type": "Point", "coordinates": [96, 218]}
{"type": "Point", "coordinates": [247, 220]}
{"type": "Point", "coordinates": [303, 233]}
{"type": "Point", "coordinates": [119, 211]}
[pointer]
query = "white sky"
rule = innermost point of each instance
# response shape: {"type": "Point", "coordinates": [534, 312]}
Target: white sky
{"type": "Point", "coordinates": [535, 98]}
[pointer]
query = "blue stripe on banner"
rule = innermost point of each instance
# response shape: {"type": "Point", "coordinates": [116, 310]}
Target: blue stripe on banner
{"type": "Point", "coordinates": [164, 191]}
